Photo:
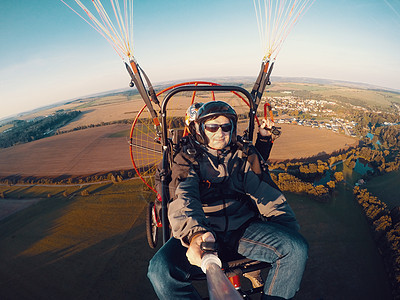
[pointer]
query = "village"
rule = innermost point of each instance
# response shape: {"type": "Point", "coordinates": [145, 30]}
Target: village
{"type": "Point", "coordinates": [312, 113]}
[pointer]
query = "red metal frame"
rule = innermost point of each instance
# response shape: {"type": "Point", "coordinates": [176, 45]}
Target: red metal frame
{"type": "Point", "coordinates": [196, 83]}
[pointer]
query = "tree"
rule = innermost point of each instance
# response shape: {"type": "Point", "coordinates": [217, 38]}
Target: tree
{"type": "Point", "coordinates": [338, 176]}
{"type": "Point", "coordinates": [381, 226]}
{"type": "Point", "coordinates": [331, 184]}
{"type": "Point", "coordinates": [352, 164]}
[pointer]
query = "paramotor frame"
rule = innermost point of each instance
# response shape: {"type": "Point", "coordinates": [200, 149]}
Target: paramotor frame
{"type": "Point", "coordinates": [146, 141]}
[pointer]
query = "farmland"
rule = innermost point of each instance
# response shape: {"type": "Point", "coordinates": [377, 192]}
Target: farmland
{"type": "Point", "coordinates": [106, 148]}
{"type": "Point", "coordinates": [75, 153]}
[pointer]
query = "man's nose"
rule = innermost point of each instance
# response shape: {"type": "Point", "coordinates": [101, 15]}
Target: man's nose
{"type": "Point", "coordinates": [220, 131]}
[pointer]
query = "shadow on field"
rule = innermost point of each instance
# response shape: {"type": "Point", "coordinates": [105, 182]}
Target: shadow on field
{"type": "Point", "coordinates": [343, 260]}
{"type": "Point", "coordinates": [101, 188]}
{"type": "Point", "coordinates": [83, 113]}
{"type": "Point", "coordinates": [95, 248]}
{"type": "Point", "coordinates": [45, 256]}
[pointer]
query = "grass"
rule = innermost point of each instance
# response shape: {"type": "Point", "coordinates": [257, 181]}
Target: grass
{"type": "Point", "coordinates": [344, 262]}
{"type": "Point", "coordinates": [379, 187]}
{"type": "Point", "coordinates": [76, 247]}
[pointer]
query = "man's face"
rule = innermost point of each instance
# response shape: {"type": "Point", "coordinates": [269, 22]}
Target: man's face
{"type": "Point", "coordinates": [218, 132]}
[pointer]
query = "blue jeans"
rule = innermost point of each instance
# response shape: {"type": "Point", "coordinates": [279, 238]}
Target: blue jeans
{"type": "Point", "coordinates": [169, 270]}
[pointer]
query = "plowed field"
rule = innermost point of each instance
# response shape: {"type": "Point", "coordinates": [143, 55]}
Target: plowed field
{"type": "Point", "coordinates": [96, 150]}
{"type": "Point", "coordinates": [76, 153]}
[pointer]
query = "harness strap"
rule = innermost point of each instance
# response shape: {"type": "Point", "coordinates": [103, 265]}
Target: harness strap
{"type": "Point", "coordinates": [249, 154]}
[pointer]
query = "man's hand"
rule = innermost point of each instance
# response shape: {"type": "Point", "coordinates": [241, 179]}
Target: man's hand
{"type": "Point", "coordinates": [194, 253]}
{"type": "Point", "coordinates": [265, 127]}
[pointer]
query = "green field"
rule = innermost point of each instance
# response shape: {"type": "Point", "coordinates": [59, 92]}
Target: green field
{"type": "Point", "coordinates": [338, 92]}
{"type": "Point", "coordinates": [386, 188]}
{"type": "Point", "coordinates": [335, 91]}
{"type": "Point", "coordinates": [103, 100]}
{"type": "Point", "coordinates": [94, 247]}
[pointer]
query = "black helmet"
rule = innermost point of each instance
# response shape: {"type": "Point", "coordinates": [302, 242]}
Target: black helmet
{"type": "Point", "coordinates": [213, 109]}
{"type": "Point", "coordinates": [216, 108]}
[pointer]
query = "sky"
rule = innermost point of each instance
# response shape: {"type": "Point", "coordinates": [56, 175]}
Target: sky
{"type": "Point", "coordinates": [48, 54]}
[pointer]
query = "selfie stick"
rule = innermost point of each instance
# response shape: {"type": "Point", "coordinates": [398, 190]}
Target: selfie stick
{"type": "Point", "coordinates": [219, 286]}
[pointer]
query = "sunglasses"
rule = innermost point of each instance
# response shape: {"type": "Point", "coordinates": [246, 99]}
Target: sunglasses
{"type": "Point", "coordinates": [214, 127]}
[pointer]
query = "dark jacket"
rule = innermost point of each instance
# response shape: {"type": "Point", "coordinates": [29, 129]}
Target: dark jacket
{"type": "Point", "coordinates": [221, 190]}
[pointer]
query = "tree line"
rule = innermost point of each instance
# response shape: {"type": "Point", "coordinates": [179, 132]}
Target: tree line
{"type": "Point", "coordinates": [389, 135]}
{"type": "Point", "coordinates": [300, 176]}
{"type": "Point", "coordinates": [374, 123]}
{"type": "Point", "coordinates": [380, 161]}
{"type": "Point", "coordinates": [112, 176]}
{"type": "Point", "coordinates": [38, 128]}
{"type": "Point", "coordinates": [385, 225]}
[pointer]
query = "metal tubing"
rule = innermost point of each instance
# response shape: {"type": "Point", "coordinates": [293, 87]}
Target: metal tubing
{"type": "Point", "coordinates": [137, 79]}
{"type": "Point", "coordinates": [215, 88]}
{"type": "Point", "coordinates": [165, 196]}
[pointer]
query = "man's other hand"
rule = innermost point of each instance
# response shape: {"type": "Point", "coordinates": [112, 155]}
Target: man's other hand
{"type": "Point", "coordinates": [265, 127]}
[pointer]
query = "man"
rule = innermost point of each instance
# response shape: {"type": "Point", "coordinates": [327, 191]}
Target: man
{"type": "Point", "coordinates": [222, 193]}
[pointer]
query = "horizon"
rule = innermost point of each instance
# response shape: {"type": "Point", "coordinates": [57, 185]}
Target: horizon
{"type": "Point", "coordinates": [49, 57]}
{"type": "Point", "coordinates": [278, 79]}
